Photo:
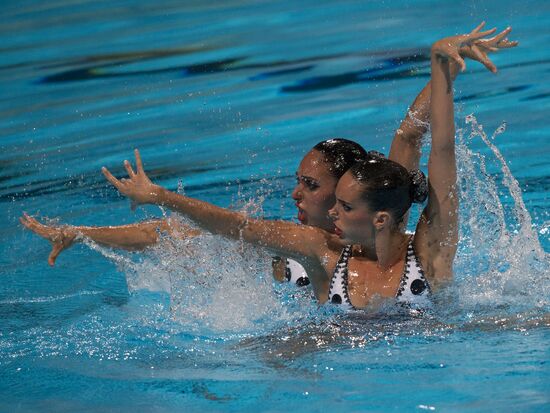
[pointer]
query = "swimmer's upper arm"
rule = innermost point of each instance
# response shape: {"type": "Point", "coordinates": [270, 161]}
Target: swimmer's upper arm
{"type": "Point", "coordinates": [285, 238]}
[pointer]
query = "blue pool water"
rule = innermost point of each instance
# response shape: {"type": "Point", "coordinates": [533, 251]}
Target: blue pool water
{"type": "Point", "coordinates": [223, 101]}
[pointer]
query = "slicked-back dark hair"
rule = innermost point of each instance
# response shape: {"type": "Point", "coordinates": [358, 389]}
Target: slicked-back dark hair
{"type": "Point", "coordinates": [388, 186]}
{"type": "Point", "coordinates": [340, 154]}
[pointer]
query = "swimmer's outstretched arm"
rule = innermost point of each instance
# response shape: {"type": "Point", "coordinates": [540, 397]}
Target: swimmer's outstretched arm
{"type": "Point", "coordinates": [133, 237]}
{"type": "Point", "coordinates": [437, 231]}
{"type": "Point", "coordinates": [407, 141]}
{"type": "Point", "coordinates": [301, 242]}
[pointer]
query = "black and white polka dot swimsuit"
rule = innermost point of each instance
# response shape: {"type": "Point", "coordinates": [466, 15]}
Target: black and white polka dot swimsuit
{"type": "Point", "coordinates": [413, 291]}
{"type": "Point", "coordinates": [295, 273]}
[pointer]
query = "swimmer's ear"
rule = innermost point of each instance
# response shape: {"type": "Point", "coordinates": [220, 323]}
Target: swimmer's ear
{"type": "Point", "coordinates": [381, 220]}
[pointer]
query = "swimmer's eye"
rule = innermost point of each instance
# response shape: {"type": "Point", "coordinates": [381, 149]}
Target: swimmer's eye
{"type": "Point", "coordinates": [345, 206]}
{"type": "Point", "coordinates": [309, 183]}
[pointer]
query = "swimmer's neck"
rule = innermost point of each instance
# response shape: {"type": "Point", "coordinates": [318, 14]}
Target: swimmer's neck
{"type": "Point", "coordinates": [387, 249]}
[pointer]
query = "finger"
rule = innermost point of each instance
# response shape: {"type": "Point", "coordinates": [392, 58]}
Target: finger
{"type": "Point", "coordinates": [484, 60]}
{"type": "Point", "coordinates": [56, 250]}
{"type": "Point", "coordinates": [501, 35]}
{"type": "Point", "coordinates": [478, 28]}
{"type": "Point", "coordinates": [459, 60]}
{"type": "Point", "coordinates": [485, 45]}
{"type": "Point", "coordinates": [478, 54]}
{"type": "Point", "coordinates": [30, 223]}
{"type": "Point", "coordinates": [139, 164]}
{"type": "Point", "coordinates": [24, 222]}
{"type": "Point", "coordinates": [26, 217]}
{"type": "Point", "coordinates": [490, 65]}
{"type": "Point", "coordinates": [129, 169]}
{"type": "Point", "coordinates": [506, 44]}
{"type": "Point", "coordinates": [33, 220]}
{"type": "Point", "coordinates": [475, 36]}
{"type": "Point", "coordinates": [116, 183]}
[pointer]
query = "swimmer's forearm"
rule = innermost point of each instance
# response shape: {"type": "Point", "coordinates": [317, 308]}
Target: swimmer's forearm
{"type": "Point", "coordinates": [212, 218]}
{"type": "Point", "coordinates": [132, 237]}
{"type": "Point", "coordinates": [442, 105]}
{"type": "Point", "coordinates": [407, 141]}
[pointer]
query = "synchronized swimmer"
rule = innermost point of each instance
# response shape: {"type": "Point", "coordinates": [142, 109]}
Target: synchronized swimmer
{"type": "Point", "coordinates": [354, 204]}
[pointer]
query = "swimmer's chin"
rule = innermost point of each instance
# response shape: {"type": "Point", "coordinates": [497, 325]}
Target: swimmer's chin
{"type": "Point", "coordinates": [302, 217]}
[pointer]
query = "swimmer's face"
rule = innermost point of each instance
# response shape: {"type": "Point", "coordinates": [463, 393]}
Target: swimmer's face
{"type": "Point", "coordinates": [351, 215]}
{"type": "Point", "coordinates": [314, 191]}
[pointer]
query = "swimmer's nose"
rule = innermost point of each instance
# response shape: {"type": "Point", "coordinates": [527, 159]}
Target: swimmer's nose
{"type": "Point", "coordinates": [297, 194]}
{"type": "Point", "coordinates": [332, 213]}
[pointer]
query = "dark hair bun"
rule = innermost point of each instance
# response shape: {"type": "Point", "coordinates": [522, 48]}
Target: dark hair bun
{"type": "Point", "coordinates": [419, 186]}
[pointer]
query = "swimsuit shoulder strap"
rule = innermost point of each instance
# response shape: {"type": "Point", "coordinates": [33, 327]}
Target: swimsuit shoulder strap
{"type": "Point", "coordinates": [413, 282]}
{"type": "Point", "coordinates": [338, 290]}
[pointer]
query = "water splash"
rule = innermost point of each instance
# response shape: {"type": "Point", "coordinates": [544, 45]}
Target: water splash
{"type": "Point", "coordinates": [216, 285]}
{"type": "Point", "coordinates": [500, 262]}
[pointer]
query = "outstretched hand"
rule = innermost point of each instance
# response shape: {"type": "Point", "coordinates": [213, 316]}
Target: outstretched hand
{"type": "Point", "coordinates": [138, 187]}
{"type": "Point", "coordinates": [474, 44]}
{"type": "Point", "coordinates": [61, 237]}
{"type": "Point", "coordinates": [479, 49]}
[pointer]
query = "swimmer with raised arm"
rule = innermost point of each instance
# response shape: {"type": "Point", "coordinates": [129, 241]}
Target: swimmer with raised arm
{"type": "Point", "coordinates": [369, 254]}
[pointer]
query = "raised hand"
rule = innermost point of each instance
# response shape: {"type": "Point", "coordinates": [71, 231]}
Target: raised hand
{"type": "Point", "coordinates": [449, 47]}
{"type": "Point", "coordinates": [61, 237]}
{"type": "Point", "coordinates": [138, 187]}
{"type": "Point", "coordinates": [479, 49]}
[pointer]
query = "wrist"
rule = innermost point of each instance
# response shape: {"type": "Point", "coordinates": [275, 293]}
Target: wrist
{"type": "Point", "coordinates": [435, 49]}
{"type": "Point", "coordinates": [72, 233]}
{"type": "Point", "coordinates": [158, 195]}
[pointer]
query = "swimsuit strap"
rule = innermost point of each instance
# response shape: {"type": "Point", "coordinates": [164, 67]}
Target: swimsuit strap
{"type": "Point", "coordinates": [338, 290]}
{"type": "Point", "coordinates": [413, 288]}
